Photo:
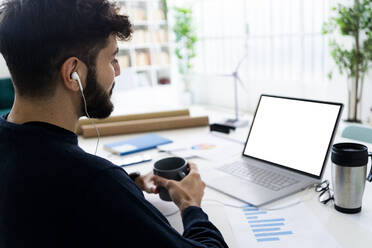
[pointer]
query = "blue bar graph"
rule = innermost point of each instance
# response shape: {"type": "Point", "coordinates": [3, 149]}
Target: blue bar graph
{"type": "Point", "coordinates": [267, 220]}
{"type": "Point", "coordinates": [250, 209]}
{"type": "Point", "coordinates": [249, 206]}
{"type": "Point", "coordinates": [267, 239]}
{"type": "Point", "coordinates": [254, 213]}
{"type": "Point", "coordinates": [251, 217]}
{"type": "Point", "coordinates": [263, 225]}
{"type": "Point", "coordinates": [272, 234]}
{"type": "Point", "coordinates": [265, 229]}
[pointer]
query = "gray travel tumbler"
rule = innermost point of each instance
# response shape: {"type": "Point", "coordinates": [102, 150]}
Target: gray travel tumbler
{"type": "Point", "coordinates": [349, 169]}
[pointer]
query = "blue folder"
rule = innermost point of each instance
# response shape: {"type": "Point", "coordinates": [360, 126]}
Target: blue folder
{"type": "Point", "coordinates": [137, 144]}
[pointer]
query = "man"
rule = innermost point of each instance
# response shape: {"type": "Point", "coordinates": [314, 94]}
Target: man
{"type": "Point", "coordinates": [52, 193]}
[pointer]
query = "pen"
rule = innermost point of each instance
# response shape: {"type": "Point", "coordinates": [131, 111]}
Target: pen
{"type": "Point", "coordinates": [135, 160]}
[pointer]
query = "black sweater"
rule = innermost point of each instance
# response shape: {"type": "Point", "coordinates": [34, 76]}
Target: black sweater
{"type": "Point", "coordinates": [53, 194]}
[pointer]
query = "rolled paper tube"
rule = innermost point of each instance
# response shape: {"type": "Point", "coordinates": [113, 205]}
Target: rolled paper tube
{"type": "Point", "coordinates": [182, 112]}
{"type": "Point", "coordinates": [137, 126]}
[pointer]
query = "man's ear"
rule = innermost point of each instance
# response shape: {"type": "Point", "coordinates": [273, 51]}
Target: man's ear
{"type": "Point", "coordinates": [71, 65]}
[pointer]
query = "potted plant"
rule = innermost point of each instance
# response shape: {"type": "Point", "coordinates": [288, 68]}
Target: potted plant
{"type": "Point", "coordinates": [354, 24]}
{"type": "Point", "coordinates": [164, 6]}
{"type": "Point", "coordinates": [185, 41]}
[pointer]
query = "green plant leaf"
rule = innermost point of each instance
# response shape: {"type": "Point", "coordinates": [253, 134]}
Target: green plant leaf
{"type": "Point", "coordinates": [185, 38]}
{"type": "Point", "coordinates": [351, 21]}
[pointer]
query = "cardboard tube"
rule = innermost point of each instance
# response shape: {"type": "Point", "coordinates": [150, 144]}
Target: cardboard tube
{"type": "Point", "coordinates": [137, 126]}
{"type": "Point", "coordinates": [182, 112]}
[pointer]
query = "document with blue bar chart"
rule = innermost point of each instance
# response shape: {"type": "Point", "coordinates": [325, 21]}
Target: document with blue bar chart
{"type": "Point", "coordinates": [295, 226]}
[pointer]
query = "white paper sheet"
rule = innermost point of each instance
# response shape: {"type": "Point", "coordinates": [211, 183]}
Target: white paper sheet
{"type": "Point", "coordinates": [165, 207]}
{"type": "Point", "coordinates": [291, 227]}
{"type": "Point", "coordinates": [206, 146]}
{"type": "Point", "coordinates": [364, 218]}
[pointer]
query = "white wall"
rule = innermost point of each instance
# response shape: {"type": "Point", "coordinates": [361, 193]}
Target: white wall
{"type": "Point", "coordinates": [3, 68]}
{"type": "Point", "coordinates": [219, 91]}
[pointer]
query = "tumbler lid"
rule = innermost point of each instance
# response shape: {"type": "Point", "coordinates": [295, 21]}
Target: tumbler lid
{"type": "Point", "coordinates": [349, 154]}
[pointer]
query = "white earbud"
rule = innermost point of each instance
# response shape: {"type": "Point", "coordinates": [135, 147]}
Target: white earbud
{"type": "Point", "coordinates": [76, 77]}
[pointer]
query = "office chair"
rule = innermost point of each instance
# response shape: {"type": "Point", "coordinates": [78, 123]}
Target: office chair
{"type": "Point", "coordinates": [6, 95]}
{"type": "Point", "coordinates": [358, 132]}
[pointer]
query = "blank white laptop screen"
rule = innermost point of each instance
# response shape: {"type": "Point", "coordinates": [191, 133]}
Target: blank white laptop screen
{"type": "Point", "coordinates": [292, 133]}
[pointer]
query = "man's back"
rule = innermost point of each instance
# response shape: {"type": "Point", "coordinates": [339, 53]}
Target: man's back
{"type": "Point", "coordinates": [43, 177]}
{"type": "Point", "coordinates": [53, 194]}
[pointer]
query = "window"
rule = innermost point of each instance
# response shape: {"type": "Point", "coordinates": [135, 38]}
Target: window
{"type": "Point", "coordinates": [282, 39]}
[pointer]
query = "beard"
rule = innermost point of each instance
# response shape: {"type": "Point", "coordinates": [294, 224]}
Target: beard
{"type": "Point", "coordinates": [98, 101]}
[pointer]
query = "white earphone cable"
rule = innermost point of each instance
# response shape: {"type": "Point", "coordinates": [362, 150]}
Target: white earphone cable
{"type": "Point", "coordinates": [91, 120]}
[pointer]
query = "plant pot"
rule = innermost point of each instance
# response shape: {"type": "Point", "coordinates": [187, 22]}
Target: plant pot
{"type": "Point", "coordinates": [186, 98]}
{"type": "Point", "coordinates": [186, 94]}
{"type": "Point", "coordinates": [354, 103]}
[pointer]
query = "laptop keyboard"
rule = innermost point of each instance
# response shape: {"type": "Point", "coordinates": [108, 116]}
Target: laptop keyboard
{"type": "Point", "coordinates": [257, 175]}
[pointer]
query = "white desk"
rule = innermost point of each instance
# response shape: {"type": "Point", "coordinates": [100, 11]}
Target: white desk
{"type": "Point", "coordinates": [347, 230]}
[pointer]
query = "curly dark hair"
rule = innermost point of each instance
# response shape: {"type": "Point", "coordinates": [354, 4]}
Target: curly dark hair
{"type": "Point", "coordinates": [37, 36]}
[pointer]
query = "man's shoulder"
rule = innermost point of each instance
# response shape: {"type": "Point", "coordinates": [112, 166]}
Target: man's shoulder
{"type": "Point", "coordinates": [88, 164]}
{"type": "Point", "coordinates": [53, 152]}
{"type": "Point", "coordinates": [89, 160]}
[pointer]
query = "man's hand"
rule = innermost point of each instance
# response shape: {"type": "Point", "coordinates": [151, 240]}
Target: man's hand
{"type": "Point", "coordinates": [187, 192]}
{"type": "Point", "coordinates": [146, 183]}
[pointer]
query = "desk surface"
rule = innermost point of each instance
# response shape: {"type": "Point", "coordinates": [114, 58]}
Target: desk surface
{"type": "Point", "coordinates": [348, 230]}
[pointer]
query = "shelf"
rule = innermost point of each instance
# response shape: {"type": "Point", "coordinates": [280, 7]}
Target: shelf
{"type": "Point", "coordinates": [150, 23]}
{"type": "Point", "coordinates": [142, 46]}
{"type": "Point", "coordinates": [138, 1]}
{"type": "Point", "coordinates": [150, 67]}
{"type": "Point", "coordinates": [123, 47]}
{"type": "Point", "coordinates": [140, 23]}
{"type": "Point", "coordinates": [158, 23]}
{"type": "Point", "coordinates": [147, 56]}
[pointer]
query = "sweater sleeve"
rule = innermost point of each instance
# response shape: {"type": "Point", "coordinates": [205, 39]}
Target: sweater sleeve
{"type": "Point", "coordinates": [115, 213]}
{"type": "Point", "coordinates": [199, 230]}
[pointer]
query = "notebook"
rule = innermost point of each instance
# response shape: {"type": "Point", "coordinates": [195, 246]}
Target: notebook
{"type": "Point", "coordinates": [137, 144]}
{"type": "Point", "coordinates": [286, 150]}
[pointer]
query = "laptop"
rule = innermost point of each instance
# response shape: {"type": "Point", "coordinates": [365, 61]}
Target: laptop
{"type": "Point", "coordinates": [286, 150]}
